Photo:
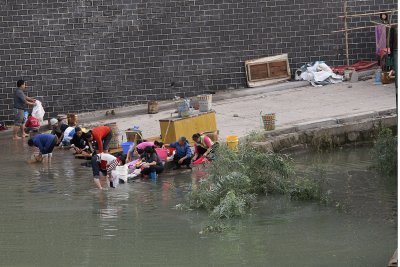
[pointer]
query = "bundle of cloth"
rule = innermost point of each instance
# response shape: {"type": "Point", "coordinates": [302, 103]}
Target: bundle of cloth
{"type": "Point", "coordinates": [318, 74]}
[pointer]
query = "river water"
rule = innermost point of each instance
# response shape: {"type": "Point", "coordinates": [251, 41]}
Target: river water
{"type": "Point", "coordinates": [52, 216]}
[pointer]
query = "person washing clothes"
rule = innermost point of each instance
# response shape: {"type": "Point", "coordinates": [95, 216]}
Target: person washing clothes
{"type": "Point", "coordinates": [102, 166]}
{"type": "Point", "coordinates": [102, 135]}
{"type": "Point", "coordinates": [183, 153]}
{"type": "Point", "coordinates": [138, 150]}
{"type": "Point", "coordinates": [79, 143]}
{"type": "Point", "coordinates": [152, 163]}
{"type": "Point", "coordinates": [58, 128]}
{"type": "Point", "coordinates": [204, 147]}
{"type": "Point", "coordinates": [45, 143]}
{"type": "Point", "coordinates": [67, 136]}
{"type": "Point", "coordinates": [32, 125]}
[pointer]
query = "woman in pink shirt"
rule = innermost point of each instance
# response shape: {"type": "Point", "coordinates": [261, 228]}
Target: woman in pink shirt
{"type": "Point", "coordinates": [203, 146]}
{"type": "Point", "coordinates": [140, 147]}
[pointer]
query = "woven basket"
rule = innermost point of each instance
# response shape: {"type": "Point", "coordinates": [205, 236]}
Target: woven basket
{"type": "Point", "coordinates": [268, 121]}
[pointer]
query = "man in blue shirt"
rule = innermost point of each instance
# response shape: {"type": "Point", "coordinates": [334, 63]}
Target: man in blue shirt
{"type": "Point", "coordinates": [20, 102]}
{"type": "Point", "coordinates": [45, 143]}
{"type": "Point", "coordinates": [183, 153]}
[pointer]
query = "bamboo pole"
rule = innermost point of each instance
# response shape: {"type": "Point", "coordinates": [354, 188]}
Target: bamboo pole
{"type": "Point", "coordinates": [346, 33]}
{"type": "Point", "coordinates": [358, 28]}
{"type": "Point", "coordinates": [369, 14]}
{"type": "Point", "coordinates": [386, 25]}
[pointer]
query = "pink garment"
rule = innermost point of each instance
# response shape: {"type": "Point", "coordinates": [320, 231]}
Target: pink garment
{"type": "Point", "coordinates": [380, 38]}
{"type": "Point", "coordinates": [143, 145]}
{"type": "Point", "coordinates": [208, 142]}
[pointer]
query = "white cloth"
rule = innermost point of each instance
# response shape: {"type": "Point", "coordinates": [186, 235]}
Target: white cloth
{"type": "Point", "coordinates": [318, 74]}
{"type": "Point", "coordinates": [38, 111]}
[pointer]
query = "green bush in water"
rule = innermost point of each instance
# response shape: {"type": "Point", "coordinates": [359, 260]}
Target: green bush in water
{"type": "Point", "coordinates": [385, 152]}
{"type": "Point", "coordinates": [232, 205]}
{"type": "Point", "coordinates": [304, 188]}
{"type": "Point", "coordinates": [236, 177]}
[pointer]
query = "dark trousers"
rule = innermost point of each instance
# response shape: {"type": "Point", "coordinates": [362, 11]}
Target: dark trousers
{"type": "Point", "coordinates": [158, 169]}
{"type": "Point", "coordinates": [186, 162]}
{"type": "Point", "coordinates": [201, 150]}
{"type": "Point", "coordinates": [107, 140]}
{"type": "Point", "coordinates": [96, 167]}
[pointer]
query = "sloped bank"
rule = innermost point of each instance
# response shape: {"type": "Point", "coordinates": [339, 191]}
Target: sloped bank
{"type": "Point", "coordinates": [327, 133]}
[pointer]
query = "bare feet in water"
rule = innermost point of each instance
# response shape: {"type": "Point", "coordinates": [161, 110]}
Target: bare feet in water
{"type": "Point", "coordinates": [16, 137]}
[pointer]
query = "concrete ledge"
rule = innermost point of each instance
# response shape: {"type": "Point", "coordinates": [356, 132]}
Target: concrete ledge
{"type": "Point", "coordinates": [324, 134]}
{"type": "Point", "coordinates": [356, 117]}
{"type": "Point", "coordinates": [315, 124]}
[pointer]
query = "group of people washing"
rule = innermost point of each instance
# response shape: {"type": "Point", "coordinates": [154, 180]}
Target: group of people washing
{"type": "Point", "coordinates": [95, 144]}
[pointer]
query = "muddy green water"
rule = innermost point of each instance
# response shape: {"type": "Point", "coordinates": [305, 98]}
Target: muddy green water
{"type": "Point", "coordinates": [51, 216]}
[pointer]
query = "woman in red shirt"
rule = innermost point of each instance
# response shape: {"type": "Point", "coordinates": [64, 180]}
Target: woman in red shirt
{"type": "Point", "coordinates": [32, 124]}
{"type": "Point", "coordinates": [102, 135]}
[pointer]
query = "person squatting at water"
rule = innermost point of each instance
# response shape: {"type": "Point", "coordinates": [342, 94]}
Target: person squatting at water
{"type": "Point", "coordinates": [67, 136]}
{"type": "Point", "coordinates": [152, 163]}
{"type": "Point", "coordinates": [138, 150]}
{"type": "Point", "coordinates": [102, 135]}
{"type": "Point", "coordinates": [102, 165]}
{"type": "Point", "coordinates": [45, 143]}
{"type": "Point", "coordinates": [58, 129]}
{"type": "Point", "coordinates": [203, 147]}
{"type": "Point", "coordinates": [183, 153]}
{"type": "Point", "coordinates": [79, 143]}
{"type": "Point", "coordinates": [20, 102]}
{"type": "Point", "coordinates": [32, 125]}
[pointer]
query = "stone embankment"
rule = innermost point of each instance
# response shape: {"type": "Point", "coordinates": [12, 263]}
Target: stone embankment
{"type": "Point", "coordinates": [329, 133]}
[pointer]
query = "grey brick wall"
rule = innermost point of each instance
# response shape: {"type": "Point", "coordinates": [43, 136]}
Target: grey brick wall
{"type": "Point", "coordinates": [82, 55]}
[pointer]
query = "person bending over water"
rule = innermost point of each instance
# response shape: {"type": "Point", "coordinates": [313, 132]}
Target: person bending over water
{"type": "Point", "coordinates": [102, 135]}
{"type": "Point", "coordinates": [152, 163]}
{"type": "Point", "coordinates": [45, 143]}
{"type": "Point", "coordinates": [79, 144]}
{"type": "Point", "coordinates": [204, 146]}
{"type": "Point", "coordinates": [102, 165]}
{"type": "Point", "coordinates": [138, 150]}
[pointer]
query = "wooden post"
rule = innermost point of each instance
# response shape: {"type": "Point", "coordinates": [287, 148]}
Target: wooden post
{"type": "Point", "coordinates": [346, 34]}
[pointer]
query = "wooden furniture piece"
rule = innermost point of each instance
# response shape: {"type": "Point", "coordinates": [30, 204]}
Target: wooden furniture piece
{"type": "Point", "coordinates": [267, 70]}
{"type": "Point", "coordinates": [173, 128]}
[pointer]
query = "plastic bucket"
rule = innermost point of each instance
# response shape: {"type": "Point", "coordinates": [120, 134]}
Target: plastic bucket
{"type": "Point", "coordinates": [232, 141]}
{"type": "Point", "coordinates": [162, 153]}
{"type": "Point", "coordinates": [126, 146]}
{"type": "Point", "coordinates": [269, 121]}
{"type": "Point", "coordinates": [171, 150]}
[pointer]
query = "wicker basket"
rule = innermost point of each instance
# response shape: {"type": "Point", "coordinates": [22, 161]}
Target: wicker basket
{"type": "Point", "coordinates": [152, 107]}
{"type": "Point", "coordinates": [268, 121]}
{"type": "Point", "coordinates": [133, 135]}
{"type": "Point", "coordinates": [114, 143]}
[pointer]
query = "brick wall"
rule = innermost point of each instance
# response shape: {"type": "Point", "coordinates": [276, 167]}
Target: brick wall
{"type": "Point", "coordinates": [82, 55]}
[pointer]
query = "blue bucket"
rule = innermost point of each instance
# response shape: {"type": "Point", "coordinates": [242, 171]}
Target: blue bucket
{"type": "Point", "coordinates": [126, 146]}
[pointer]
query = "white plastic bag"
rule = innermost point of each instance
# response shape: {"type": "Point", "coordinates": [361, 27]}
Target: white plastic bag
{"type": "Point", "coordinates": [38, 111]}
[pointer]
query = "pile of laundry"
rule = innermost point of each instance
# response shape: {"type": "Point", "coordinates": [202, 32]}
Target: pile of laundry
{"type": "Point", "coordinates": [318, 74]}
